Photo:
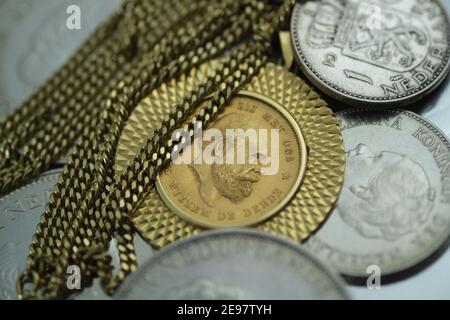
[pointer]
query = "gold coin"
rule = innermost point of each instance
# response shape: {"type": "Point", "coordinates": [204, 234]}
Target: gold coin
{"type": "Point", "coordinates": [309, 204]}
{"type": "Point", "coordinates": [236, 194]}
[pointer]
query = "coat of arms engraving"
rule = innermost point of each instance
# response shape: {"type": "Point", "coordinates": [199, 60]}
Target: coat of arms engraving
{"type": "Point", "coordinates": [381, 36]}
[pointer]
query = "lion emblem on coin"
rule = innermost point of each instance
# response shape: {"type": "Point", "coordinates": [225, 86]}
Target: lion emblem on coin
{"type": "Point", "coordinates": [390, 30]}
{"type": "Point", "coordinates": [370, 32]}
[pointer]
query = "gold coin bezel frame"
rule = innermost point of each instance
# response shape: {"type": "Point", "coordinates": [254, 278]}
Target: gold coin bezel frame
{"type": "Point", "coordinates": [302, 168]}
{"type": "Point", "coordinates": [322, 180]}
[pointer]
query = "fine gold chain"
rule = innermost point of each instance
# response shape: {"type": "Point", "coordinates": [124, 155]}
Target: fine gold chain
{"type": "Point", "coordinates": [71, 100]}
{"type": "Point", "coordinates": [93, 142]}
{"type": "Point", "coordinates": [89, 207]}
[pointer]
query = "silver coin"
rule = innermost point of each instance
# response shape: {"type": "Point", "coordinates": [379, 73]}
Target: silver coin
{"type": "Point", "coordinates": [394, 210]}
{"type": "Point", "coordinates": [381, 52]}
{"type": "Point", "coordinates": [20, 212]}
{"type": "Point", "coordinates": [233, 264]}
{"type": "Point", "coordinates": [35, 42]}
{"type": "Point", "coordinates": [436, 107]}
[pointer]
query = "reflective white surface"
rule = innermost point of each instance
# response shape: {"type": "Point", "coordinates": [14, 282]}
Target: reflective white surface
{"type": "Point", "coordinates": [35, 42]}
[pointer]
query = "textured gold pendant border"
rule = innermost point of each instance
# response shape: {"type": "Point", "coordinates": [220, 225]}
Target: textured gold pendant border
{"type": "Point", "coordinates": [324, 173]}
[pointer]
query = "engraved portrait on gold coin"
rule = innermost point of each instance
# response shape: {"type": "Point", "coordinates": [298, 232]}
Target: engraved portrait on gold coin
{"type": "Point", "coordinates": [233, 182]}
{"type": "Point", "coordinates": [234, 193]}
{"type": "Point", "coordinates": [290, 198]}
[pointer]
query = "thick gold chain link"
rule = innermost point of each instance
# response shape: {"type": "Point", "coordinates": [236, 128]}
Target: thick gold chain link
{"type": "Point", "coordinates": [89, 207]}
{"type": "Point", "coordinates": [94, 142]}
{"type": "Point", "coordinates": [81, 89]}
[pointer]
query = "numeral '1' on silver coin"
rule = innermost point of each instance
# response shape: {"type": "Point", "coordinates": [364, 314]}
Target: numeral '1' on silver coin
{"type": "Point", "coordinates": [381, 53]}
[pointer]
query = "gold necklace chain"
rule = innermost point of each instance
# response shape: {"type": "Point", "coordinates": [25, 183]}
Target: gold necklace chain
{"type": "Point", "coordinates": [94, 143]}
{"type": "Point", "coordinates": [89, 207]}
{"type": "Point", "coordinates": [74, 100]}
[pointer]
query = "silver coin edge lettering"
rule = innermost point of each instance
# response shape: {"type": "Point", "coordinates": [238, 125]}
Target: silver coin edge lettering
{"type": "Point", "coordinates": [437, 246]}
{"type": "Point", "coordinates": [355, 99]}
{"type": "Point", "coordinates": [51, 176]}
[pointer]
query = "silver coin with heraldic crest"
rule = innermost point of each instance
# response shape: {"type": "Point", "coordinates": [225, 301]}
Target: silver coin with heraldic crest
{"type": "Point", "coordinates": [382, 53]}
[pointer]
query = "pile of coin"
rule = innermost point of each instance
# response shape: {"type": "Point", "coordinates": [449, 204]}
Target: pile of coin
{"type": "Point", "coordinates": [354, 185]}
